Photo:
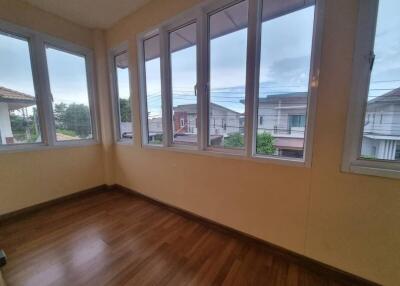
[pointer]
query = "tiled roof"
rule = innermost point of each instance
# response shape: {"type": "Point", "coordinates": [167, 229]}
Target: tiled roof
{"type": "Point", "coordinates": [10, 95]}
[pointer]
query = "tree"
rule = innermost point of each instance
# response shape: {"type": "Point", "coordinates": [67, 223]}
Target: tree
{"type": "Point", "coordinates": [265, 144]}
{"type": "Point", "coordinates": [234, 140]}
{"type": "Point", "coordinates": [77, 119]}
{"type": "Point", "coordinates": [125, 110]}
{"type": "Point", "coordinates": [59, 114]}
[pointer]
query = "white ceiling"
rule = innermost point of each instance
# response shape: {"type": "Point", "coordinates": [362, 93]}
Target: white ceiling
{"type": "Point", "coordinates": [90, 13]}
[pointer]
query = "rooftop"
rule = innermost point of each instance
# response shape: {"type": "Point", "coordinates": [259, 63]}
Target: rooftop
{"type": "Point", "coordinates": [15, 99]}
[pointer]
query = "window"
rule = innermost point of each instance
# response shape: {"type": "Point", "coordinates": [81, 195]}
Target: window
{"type": "Point", "coordinates": [19, 118]}
{"type": "Point", "coordinates": [122, 96]}
{"type": "Point", "coordinates": [70, 96]}
{"type": "Point", "coordinates": [153, 91]}
{"type": "Point", "coordinates": [371, 146]}
{"type": "Point", "coordinates": [228, 28]}
{"type": "Point", "coordinates": [384, 86]}
{"type": "Point", "coordinates": [283, 96]}
{"type": "Point", "coordinates": [222, 78]}
{"type": "Point", "coordinates": [298, 121]}
{"type": "Point", "coordinates": [182, 45]}
{"type": "Point", "coordinates": [46, 91]}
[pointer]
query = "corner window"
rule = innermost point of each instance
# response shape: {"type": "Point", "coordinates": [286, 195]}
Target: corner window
{"type": "Point", "coordinates": [122, 97]}
{"type": "Point", "coordinates": [372, 144]}
{"type": "Point", "coordinates": [46, 91]}
{"type": "Point", "coordinates": [19, 117]}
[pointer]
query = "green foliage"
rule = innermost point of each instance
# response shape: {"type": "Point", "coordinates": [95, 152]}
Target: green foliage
{"type": "Point", "coordinates": [125, 110]}
{"type": "Point", "coordinates": [59, 114]}
{"type": "Point", "coordinates": [76, 117]}
{"type": "Point", "coordinates": [235, 140]}
{"type": "Point", "coordinates": [265, 144]}
{"type": "Point", "coordinates": [73, 119]}
{"type": "Point", "coordinates": [24, 127]}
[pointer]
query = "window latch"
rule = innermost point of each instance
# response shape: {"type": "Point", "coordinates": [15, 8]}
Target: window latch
{"type": "Point", "coordinates": [371, 60]}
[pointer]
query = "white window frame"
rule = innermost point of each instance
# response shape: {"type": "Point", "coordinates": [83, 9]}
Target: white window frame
{"type": "Point", "coordinates": [37, 43]}
{"type": "Point", "coordinates": [200, 14]}
{"type": "Point", "coordinates": [142, 89]}
{"type": "Point", "coordinates": [112, 54]}
{"type": "Point", "coordinates": [364, 45]}
{"type": "Point", "coordinates": [180, 22]}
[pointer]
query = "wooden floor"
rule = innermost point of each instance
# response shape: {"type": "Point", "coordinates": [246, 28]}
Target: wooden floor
{"type": "Point", "coordinates": [112, 238]}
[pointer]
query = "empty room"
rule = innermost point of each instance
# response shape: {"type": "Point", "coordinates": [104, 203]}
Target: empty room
{"type": "Point", "coordinates": [200, 142]}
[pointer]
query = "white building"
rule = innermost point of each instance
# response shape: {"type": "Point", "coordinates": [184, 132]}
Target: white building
{"type": "Point", "coordinates": [381, 138]}
{"type": "Point", "coordinates": [284, 117]}
{"type": "Point", "coordinates": [10, 101]}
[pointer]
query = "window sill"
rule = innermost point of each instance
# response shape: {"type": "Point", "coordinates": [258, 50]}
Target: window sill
{"type": "Point", "coordinates": [43, 147]}
{"type": "Point", "coordinates": [378, 169]}
{"type": "Point", "coordinates": [124, 142]}
{"type": "Point", "coordinates": [229, 154]}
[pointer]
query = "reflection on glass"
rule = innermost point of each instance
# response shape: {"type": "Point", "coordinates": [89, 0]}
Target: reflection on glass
{"type": "Point", "coordinates": [153, 90]}
{"type": "Point", "coordinates": [286, 44]}
{"type": "Point", "coordinates": [68, 84]}
{"type": "Point", "coordinates": [381, 134]}
{"type": "Point", "coordinates": [183, 72]}
{"type": "Point", "coordinates": [18, 111]}
{"type": "Point", "coordinates": [124, 98]}
{"type": "Point", "coordinates": [228, 46]}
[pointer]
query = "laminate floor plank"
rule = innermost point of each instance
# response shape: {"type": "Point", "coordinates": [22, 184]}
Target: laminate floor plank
{"type": "Point", "coordinates": [113, 238]}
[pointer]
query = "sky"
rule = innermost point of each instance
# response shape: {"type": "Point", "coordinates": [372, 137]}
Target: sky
{"type": "Point", "coordinates": [386, 72]}
{"type": "Point", "coordinates": [284, 67]}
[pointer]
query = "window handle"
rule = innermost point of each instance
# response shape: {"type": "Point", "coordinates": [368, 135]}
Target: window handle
{"type": "Point", "coordinates": [195, 90]}
{"type": "Point", "coordinates": [371, 60]}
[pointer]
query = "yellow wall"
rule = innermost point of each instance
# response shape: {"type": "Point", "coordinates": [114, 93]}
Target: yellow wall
{"type": "Point", "coordinates": [29, 178]}
{"type": "Point", "coordinates": [348, 221]}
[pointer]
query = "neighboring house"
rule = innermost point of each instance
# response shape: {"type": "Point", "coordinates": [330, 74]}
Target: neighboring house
{"type": "Point", "coordinates": [281, 115]}
{"type": "Point", "coordinates": [155, 129]}
{"type": "Point", "coordinates": [381, 139]}
{"type": "Point", "coordinates": [11, 100]}
{"type": "Point", "coordinates": [223, 121]}
{"type": "Point", "coordinates": [284, 117]}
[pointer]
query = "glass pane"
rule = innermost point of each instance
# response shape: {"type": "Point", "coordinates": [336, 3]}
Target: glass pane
{"type": "Point", "coordinates": [153, 90]}
{"type": "Point", "coordinates": [124, 96]}
{"type": "Point", "coordinates": [68, 84]}
{"type": "Point", "coordinates": [286, 44]}
{"type": "Point", "coordinates": [228, 45]}
{"type": "Point", "coordinates": [381, 131]}
{"type": "Point", "coordinates": [183, 72]}
{"type": "Point", "coordinates": [19, 121]}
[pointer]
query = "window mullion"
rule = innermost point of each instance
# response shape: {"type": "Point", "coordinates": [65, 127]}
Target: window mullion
{"type": "Point", "coordinates": [202, 79]}
{"type": "Point", "coordinates": [165, 88]}
{"type": "Point", "coordinates": [252, 75]}
{"type": "Point", "coordinates": [115, 96]}
{"type": "Point", "coordinates": [44, 90]}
